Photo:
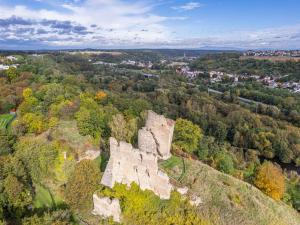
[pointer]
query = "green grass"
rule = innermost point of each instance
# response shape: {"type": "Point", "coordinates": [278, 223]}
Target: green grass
{"type": "Point", "coordinates": [172, 162]}
{"type": "Point", "coordinates": [5, 119]}
{"type": "Point", "coordinates": [176, 163]}
{"type": "Point", "coordinates": [227, 200]}
{"type": "Point", "coordinates": [45, 199]}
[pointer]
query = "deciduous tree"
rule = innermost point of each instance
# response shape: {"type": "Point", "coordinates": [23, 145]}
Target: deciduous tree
{"type": "Point", "coordinates": [121, 129]}
{"type": "Point", "coordinates": [187, 135]}
{"type": "Point", "coordinates": [270, 180]}
{"type": "Point", "coordinates": [82, 184]}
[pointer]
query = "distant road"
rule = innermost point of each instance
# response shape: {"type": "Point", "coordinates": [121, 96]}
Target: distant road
{"type": "Point", "coordinates": [246, 100]}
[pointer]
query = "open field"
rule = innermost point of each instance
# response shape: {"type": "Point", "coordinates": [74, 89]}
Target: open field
{"type": "Point", "coordinates": [5, 119]}
{"type": "Point", "coordinates": [273, 58]}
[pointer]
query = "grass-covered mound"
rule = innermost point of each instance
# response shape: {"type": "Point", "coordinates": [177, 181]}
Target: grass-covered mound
{"type": "Point", "coordinates": [227, 200]}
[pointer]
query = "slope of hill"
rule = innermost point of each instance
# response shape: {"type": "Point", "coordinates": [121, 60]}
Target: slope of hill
{"type": "Point", "coordinates": [227, 200]}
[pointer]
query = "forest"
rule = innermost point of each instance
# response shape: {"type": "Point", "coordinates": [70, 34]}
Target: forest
{"type": "Point", "coordinates": [62, 103]}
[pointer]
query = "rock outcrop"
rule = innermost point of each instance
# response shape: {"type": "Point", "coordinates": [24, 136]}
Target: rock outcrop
{"type": "Point", "coordinates": [107, 207]}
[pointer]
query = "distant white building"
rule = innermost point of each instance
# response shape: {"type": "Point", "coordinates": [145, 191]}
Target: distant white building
{"type": "Point", "coordinates": [273, 84]}
{"type": "Point", "coordinates": [4, 67]}
{"type": "Point", "coordinates": [128, 62]}
{"type": "Point", "coordinates": [150, 65]}
{"type": "Point", "coordinates": [12, 58]}
{"type": "Point", "coordinates": [177, 64]}
{"type": "Point", "coordinates": [140, 64]}
{"type": "Point", "coordinates": [104, 63]}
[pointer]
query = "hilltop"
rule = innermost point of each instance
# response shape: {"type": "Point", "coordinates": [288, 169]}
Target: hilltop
{"type": "Point", "coordinates": [227, 200]}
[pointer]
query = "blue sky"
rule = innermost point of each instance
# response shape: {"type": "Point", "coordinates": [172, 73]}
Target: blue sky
{"type": "Point", "coordinates": [232, 24]}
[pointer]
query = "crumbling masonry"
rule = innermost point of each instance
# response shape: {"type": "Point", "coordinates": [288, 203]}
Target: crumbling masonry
{"type": "Point", "coordinates": [107, 207]}
{"type": "Point", "coordinates": [127, 164]}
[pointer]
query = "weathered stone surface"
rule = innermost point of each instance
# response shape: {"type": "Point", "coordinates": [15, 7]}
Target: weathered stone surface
{"type": "Point", "coordinates": [127, 165]}
{"type": "Point", "coordinates": [195, 200]}
{"type": "Point", "coordinates": [146, 141]}
{"type": "Point", "coordinates": [183, 190]}
{"type": "Point", "coordinates": [161, 130]}
{"type": "Point", "coordinates": [89, 154]}
{"type": "Point", "coordinates": [107, 207]}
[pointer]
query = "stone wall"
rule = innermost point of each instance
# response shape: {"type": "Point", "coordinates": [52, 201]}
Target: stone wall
{"type": "Point", "coordinates": [156, 136]}
{"type": "Point", "coordinates": [127, 164]}
{"type": "Point", "coordinates": [107, 207]}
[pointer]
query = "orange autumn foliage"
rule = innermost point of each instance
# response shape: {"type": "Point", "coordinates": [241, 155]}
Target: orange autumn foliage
{"type": "Point", "coordinates": [270, 180]}
{"type": "Point", "coordinates": [100, 95]}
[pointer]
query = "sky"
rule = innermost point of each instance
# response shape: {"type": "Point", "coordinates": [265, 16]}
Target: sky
{"type": "Point", "coordinates": [112, 24]}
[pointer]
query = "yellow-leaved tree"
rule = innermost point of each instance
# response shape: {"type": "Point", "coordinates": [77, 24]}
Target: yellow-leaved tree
{"type": "Point", "coordinates": [270, 180]}
{"type": "Point", "coordinates": [100, 95]}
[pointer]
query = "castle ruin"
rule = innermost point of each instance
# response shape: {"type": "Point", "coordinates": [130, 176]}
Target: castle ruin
{"type": "Point", "coordinates": [128, 164]}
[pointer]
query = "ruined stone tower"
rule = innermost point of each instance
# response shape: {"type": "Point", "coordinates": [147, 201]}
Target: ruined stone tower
{"type": "Point", "coordinates": [156, 136]}
{"type": "Point", "coordinates": [128, 164]}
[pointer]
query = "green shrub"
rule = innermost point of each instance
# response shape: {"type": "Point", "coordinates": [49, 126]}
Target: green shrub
{"type": "Point", "coordinates": [144, 207]}
{"type": "Point", "coordinates": [225, 163]}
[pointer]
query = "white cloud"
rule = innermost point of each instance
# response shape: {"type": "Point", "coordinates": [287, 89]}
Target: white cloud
{"type": "Point", "coordinates": [286, 37]}
{"type": "Point", "coordinates": [188, 6]}
{"type": "Point", "coordinates": [115, 20]}
{"type": "Point", "coordinates": [115, 23]}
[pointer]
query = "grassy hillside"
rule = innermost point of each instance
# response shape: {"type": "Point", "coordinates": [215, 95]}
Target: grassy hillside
{"type": "Point", "coordinates": [227, 200]}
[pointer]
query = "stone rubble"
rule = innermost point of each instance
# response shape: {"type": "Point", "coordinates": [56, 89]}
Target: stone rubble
{"type": "Point", "coordinates": [195, 200]}
{"type": "Point", "coordinates": [107, 207]}
{"type": "Point", "coordinates": [183, 190]}
{"type": "Point", "coordinates": [89, 154]}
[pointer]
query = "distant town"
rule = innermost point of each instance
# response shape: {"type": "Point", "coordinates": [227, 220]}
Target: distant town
{"type": "Point", "coordinates": [290, 53]}
{"type": "Point", "coordinates": [182, 67]}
